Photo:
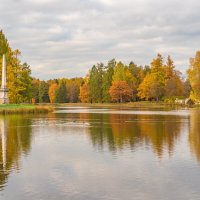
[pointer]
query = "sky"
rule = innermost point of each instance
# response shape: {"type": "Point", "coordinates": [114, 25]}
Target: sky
{"type": "Point", "coordinates": [64, 38]}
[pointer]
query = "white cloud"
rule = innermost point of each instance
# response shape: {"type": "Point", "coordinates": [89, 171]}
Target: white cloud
{"type": "Point", "coordinates": [70, 36]}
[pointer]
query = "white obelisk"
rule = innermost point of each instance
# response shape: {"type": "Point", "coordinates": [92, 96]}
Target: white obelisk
{"type": "Point", "coordinates": [4, 91]}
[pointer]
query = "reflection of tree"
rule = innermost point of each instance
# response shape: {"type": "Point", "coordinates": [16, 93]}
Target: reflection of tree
{"type": "Point", "coordinates": [125, 131]}
{"type": "Point", "coordinates": [117, 131]}
{"type": "Point", "coordinates": [194, 135]}
{"type": "Point", "coordinates": [161, 131]}
{"type": "Point", "coordinates": [100, 131]}
{"type": "Point", "coordinates": [15, 139]}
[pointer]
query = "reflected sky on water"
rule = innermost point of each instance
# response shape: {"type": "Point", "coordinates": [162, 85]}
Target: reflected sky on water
{"type": "Point", "coordinates": [83, 153]}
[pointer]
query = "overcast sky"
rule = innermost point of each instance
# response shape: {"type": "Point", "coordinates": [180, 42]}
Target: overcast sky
{"type": "Point", "coordinates": [64, 38]}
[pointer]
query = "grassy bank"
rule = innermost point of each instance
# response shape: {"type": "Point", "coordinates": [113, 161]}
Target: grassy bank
{"type": "Point", "coordinates": [46, 108]}
{"type": "Point", "coordinates": [139, 104]}
{"type": "Point", "coordinates": [24, 109]}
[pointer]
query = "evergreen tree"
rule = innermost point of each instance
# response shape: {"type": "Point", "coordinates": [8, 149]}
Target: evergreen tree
{"type": "Point", "coordinates": [95, 83]}
{"type": "Point", "coordinates": [61, 93]}
{"type": "Point", "coordinates": [107, 80]}
{"type": "Point", "coordinates": [26, 81]}
{"type": "Point", "coordinates": [43, 92]}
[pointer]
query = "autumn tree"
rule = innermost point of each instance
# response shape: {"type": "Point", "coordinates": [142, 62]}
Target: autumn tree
{"type": "Point", "coordinates": [73, 89]}
{"type": "Point", "coordinates": [120, 91]}
{"type": "Point", "coordinates": [186, 88]}
{"type": "Point", "coordinates": [131, 81]}
{"type": "Point", "coordinates": [169, 68]}
{"type": "Point", "coordinates": [194, 76]}
{"type": "Point", "coordinates": [152, 86]}
{"type": "Point", "coordinates": [173, 84]}
{"type": "Point", "coordinates": [35, 90]}
{"type": "Point", "coordinates": [119, 72]}
{"type": "Point", "coordinates": [52, 92]}
{"type": "Point", "coordinates": [84, 93]}
{"type": "Point", "coordinates": [19, 81]}
{"type": "Point", "coordinates": [138, 72]}
{"type": "Point", "coordinates": [174, 87]}
{"type": "Point", "coordinates": [144, 89]}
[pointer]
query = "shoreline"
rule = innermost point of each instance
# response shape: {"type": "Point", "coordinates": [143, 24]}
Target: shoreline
{"type": "Point", "coordinates": [48, 107]}
{"type": "Point", "coordinates": [6, 109]}
{"type": "Point", "coordinates": [129, 105]}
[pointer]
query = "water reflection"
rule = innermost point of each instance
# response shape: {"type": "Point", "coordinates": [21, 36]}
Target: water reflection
{"type": "Point", "coordinates": [194, 133]}
{"type": "Point", "coordinates": [15, 138]}
{"type": "Point", "coordinates": [118, 132]}
{"type": "Point", "coordinates": [100, 156]}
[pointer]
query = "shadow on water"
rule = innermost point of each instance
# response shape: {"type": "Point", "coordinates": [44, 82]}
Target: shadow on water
{"type": "Point", "coordinates": [15, 140]}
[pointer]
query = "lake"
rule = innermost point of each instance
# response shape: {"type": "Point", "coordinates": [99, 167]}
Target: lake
{"type": "Point", "coordinates": [101, 154]}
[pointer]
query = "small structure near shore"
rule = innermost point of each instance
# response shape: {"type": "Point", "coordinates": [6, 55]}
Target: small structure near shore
{"type": "Point", "coordinates": [187, 101]}
{"type": "Point", "coordinates": [3, 90]}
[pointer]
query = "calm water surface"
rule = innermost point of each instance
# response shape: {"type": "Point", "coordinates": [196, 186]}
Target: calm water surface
{"type": "Point", "coordinates": [101, 154]}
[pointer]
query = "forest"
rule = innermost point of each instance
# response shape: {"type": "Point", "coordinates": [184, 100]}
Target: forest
{"type": "Point", "coordinates": [104, 83]}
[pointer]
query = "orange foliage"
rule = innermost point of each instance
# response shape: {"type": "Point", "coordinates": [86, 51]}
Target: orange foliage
{"type": "Point", "coordinates": [84, 93]}
{"type": "Point", "coordinates": [52, 92]}
{"type": "Point", "coordinates": [120, 91]}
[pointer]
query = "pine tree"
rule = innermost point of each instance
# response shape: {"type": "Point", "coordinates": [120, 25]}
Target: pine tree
{"type": "Point", "coordinates": [95, 83]}
{"type": "Point", "coordinates": [107, 80]}
{"type": "Point", "coordinates": [43, 92]}
{"type": "Point", "coordinates": [61, 93]}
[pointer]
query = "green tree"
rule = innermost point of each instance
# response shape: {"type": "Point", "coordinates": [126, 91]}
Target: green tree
{"type": "Point", "coordinates": [119, 72]}
{"type": "Point", "coordinates": [107, 80]}
{"type": "Point", "coordinates": [18, 74]}
{"type": "Point", "coordinates": [95, 83]}
{"type": "Point", "coordinates": [4, 46]}
{"type": "Point", "coordinates": [26, 80]}
{"type": "Point", "coordinates": [43, 92]}
{"type": "Point", "coordinates": [61, 93]}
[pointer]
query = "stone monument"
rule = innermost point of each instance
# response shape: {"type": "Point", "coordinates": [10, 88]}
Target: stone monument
{"type": "Point", "coordinates": [3, 90]}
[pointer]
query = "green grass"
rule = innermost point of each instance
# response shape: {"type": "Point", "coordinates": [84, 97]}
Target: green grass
{"type": "Point", "coordinates": [24, 109]}
{"type": "Point", "coordinates": [14, 106]}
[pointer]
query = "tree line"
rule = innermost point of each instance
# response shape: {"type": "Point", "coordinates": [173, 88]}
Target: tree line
{"type": "Point", "coordinates": [56, 91]}
{"type": "Point", "coordinates": [19, 81]}
{"type": "Point", "coordinates": [117, 82]}
{"type": "Point", "coordinates": [104, 83]}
